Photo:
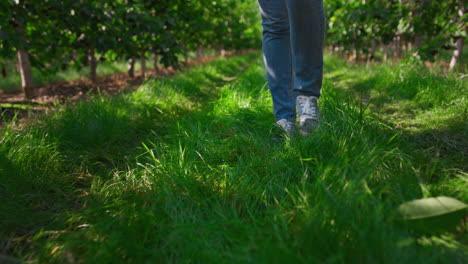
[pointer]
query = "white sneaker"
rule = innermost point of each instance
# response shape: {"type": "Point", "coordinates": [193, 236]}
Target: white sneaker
{"type": "Point", "coordinates": [287, 126]}
{"type": "Point", "coordinates": [309, 113]}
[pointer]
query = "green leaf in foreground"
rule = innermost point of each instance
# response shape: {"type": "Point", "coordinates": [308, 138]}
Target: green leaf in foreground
{"type": "Point", "coordinates": [433, 215]}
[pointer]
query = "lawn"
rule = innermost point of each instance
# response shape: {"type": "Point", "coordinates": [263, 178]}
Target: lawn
{"type": "Point", "coordinates": [190, 169]}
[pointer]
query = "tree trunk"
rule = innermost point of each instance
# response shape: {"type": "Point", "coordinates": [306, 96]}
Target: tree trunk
{"type": "Point", "coordinates": [155, 62]}
{"type": "Point", "coordinates": [387, 52]}
{"type": "Point", "coordinates": [4, 73]}
{"type": "Point", "coordinates": [24, 65]}
{"type": "Point", "coordinates": [356, 52]}
{"type": "Point", "coordinates": [131, 67]}
{"type": "Point", "coordinates": [397, 43]}
{"type": "Point", "coordinates": [457, 54]}
{"type": "Point", "coordinates": [417, 41]}
{"type": "Point", "coordinates": [220, 50]}
{"type": "Point", "coordinates": [460, 41]}
{"type": "Point", "coordinates": [409, 47]}
{"type": "Point", "coordinates": [143, 64]}
{"type": "Point", "coordinates": [92, 65]}
{"type": "Point", "coordinates": [200, 52]}
{"type": "Point", "coordinates": [372, 50]}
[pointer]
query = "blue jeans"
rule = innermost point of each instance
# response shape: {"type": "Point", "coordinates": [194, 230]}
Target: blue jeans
{"type": "Point", "coordinates": [293, 35]}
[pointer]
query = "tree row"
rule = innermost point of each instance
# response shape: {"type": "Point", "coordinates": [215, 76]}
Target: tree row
{"type": "Point", "coordinates": [55, 34]}
{"type": "Point", "coordinates": [422, 27]}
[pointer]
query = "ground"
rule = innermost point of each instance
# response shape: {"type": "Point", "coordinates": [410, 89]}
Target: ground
{"type": "Point", "coordinates": [190, 169]}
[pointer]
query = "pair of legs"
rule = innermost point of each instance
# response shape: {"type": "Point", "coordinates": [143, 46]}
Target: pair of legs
{"type": "Point", "coordinates": [293, 36]}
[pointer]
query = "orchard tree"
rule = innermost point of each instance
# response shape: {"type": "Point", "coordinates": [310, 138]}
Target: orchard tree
{"type": "Point", "coordinates": [459, 33]}
{"type": "Point", "coordinates": [424, 26]}
{"type": "Point", "coordinates": [14, 31]}
{"type": "Point", "coordinates": [55, 34]}
{"type": "Point", "coordinates": [7, 46]}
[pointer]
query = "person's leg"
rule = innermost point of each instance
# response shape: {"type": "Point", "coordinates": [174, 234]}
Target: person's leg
{"type": "Point", "coordinates": [277, 57]}
{"type": "Point", "coordinates": [307, 22]}
{"type": "Point", "coordinates": [307, 27]}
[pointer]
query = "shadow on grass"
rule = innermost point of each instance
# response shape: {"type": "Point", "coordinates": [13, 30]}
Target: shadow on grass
{"type": "Point", "coordinates": [443, 147]}
{"type": "Point", "coordinates": [32, 200]}
{"type": "Point", "coordinates": [439, 149]}
{"type": "Point", "coordinates": [408, 93]}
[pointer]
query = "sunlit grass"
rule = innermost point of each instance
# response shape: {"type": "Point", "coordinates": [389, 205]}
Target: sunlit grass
{"type": "Point", "coordinates": [189, 169]}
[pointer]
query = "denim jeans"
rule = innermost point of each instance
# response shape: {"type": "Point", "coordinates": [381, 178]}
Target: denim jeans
{"type": "Point", "coordinates": [293, 36]}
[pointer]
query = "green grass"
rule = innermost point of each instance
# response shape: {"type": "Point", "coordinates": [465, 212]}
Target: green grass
{"type": "Point", "coordinates": [187, 170]}
{"type": "Point", "coordinates": [427, 109]}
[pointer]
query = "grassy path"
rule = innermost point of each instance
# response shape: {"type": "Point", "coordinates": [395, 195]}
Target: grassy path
{"type": "Point", "coordinates": [428, 111]}
{"type": "Point", "coordinates": [185, 170]}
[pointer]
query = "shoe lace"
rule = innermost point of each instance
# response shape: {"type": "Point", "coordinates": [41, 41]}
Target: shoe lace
{"type": "Point", "coordinates": [310, 108]}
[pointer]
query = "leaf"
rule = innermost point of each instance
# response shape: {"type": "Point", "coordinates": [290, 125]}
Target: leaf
{"type": "Point", "coordinates": [432, 215]}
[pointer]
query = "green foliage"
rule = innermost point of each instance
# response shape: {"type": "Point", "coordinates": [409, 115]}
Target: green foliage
{"type": "Point", "coordinates": [6, 40]}
{"type": "Point", "coordinates": [59, 34]}
{"type": "Point", "coordinates": [431, 25]}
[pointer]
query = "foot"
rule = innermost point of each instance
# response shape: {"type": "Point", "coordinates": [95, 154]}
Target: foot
{"type": "Point", "coordinates": [288, 127]}
{"type": "Point", "coordinates": [309, 114]}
